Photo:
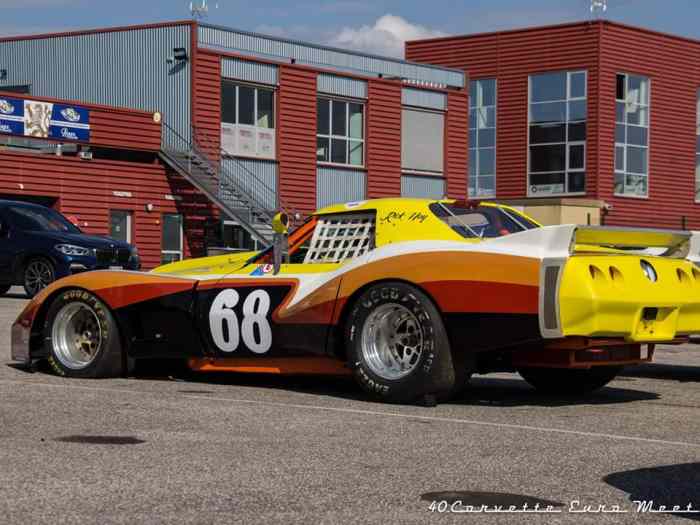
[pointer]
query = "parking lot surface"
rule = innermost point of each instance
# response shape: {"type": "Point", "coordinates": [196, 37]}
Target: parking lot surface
{"type": "Point", "coordinates": [222, 449]}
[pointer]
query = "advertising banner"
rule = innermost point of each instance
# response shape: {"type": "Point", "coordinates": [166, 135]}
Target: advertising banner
{"type": "Point", "coordinates": [33, 118]}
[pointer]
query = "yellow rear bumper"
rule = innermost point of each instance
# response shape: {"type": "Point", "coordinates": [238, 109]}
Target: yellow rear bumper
{"type": "Point", "coordinates": [612, 296]}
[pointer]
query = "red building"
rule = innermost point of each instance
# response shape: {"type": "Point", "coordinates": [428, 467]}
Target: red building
{"type": "Point", "coordinates": [244, 124]}
{"type": "Point", "coordinates": [596, 116]}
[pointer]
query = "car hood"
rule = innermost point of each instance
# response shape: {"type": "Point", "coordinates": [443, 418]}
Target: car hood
{"type": "Point", "coordinates": [215, 265]}
{"type": "Point", "coordinates": [81, 239]}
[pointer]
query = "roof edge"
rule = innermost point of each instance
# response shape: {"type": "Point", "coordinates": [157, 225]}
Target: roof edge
{"type": "Point", "coordinates": [115, 29]}
{"type": "Point", "coordinates": [581, 23]}
{"type": "Point", "coordinates": [331, 48]}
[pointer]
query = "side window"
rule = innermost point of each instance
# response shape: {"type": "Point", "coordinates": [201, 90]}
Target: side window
{"type": "Point", "coordinates": [341, 237]}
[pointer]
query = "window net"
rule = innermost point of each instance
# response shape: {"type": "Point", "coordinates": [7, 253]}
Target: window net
{"type": "Point", "coordinates": [338, 238]}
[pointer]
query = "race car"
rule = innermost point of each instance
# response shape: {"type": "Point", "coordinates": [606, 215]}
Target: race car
{"type": "Point", "coordinates": [410, 296]}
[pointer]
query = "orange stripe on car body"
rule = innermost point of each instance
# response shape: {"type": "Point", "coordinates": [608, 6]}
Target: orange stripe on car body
{"type": "Point", "coordinates": [272, 365]}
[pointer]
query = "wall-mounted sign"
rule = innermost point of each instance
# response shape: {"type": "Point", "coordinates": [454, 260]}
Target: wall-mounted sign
{"type": "Point", "coordinates": [44, 120]}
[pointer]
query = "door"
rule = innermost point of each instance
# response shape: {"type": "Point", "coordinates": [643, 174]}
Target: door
{"type": "Point", "coordinates": [253, 313]}
{"type": "Point", "coordinates": [120, 224]}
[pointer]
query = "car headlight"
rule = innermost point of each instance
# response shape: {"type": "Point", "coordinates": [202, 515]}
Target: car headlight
{"type": "Point", "coordinates": [71, 249]}
{"type": "Point", "coordinates": [134, 252]}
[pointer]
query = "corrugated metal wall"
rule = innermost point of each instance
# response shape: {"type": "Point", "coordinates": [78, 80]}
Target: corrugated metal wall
{"type": "Point", "coordinates": [343, 86]}
{"type": "Point", "coordinates": [224, 39]}
{"type": "Point", "coordinates": [249, 71]}
{"type": "Point", "coordinates": [456, 136]}
{"type": "Point", "coordinates": [335, 186]}
{"type": "Point", "coordinates": [510, 56]}
{"type": "Point", "coordinates": [88, 190]}
{"type": "Point", "coordinates": [296, 139]}
{"type": "Point", "coordinates": [384, 139]}
{"type": "Point", "coordinates": [117, 68]}
{"type": "Point", "coordinates": [672, 64]}
{"type": "Point", "coordinates": [257, 177]}
{"type": "Point", "coordinates": [422, 187]}
{"type": "Point", "coordinates": [422, 98]}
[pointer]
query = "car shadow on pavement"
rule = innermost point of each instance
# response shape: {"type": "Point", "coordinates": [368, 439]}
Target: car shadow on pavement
{"type": "Point", "coordinates": [506, 392]}
{"type": "Point", "coordinates": [669, 485]}
{"type": "Point", "coordinates": [680, 373]}
{"type": "Point", "coordinates": [482, 390]}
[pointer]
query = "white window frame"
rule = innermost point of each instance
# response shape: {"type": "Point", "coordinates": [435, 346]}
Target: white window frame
{"type": "Point", "coordinates": [347, 138]}
{"type": "Point", "coordinates": [236, 127]}
{"type": "Point", "coordinates": [625, 145]}
{"type": "Point", "coordinates": [567, 143]}
{"type": "Point", "coordinates": [475, 147]}
{"type": "Point", "coordinates": [129, 222]}
{"type": "Point", "coordinates": [181, 251]}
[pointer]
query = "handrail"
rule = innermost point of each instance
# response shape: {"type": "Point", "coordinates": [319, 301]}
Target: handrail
{"type": "Point", "coordinates": [291, 211]}
{"type": "Point", "coordinates": [247, 198]}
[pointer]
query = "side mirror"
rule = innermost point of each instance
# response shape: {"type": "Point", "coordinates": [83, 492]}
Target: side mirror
{"type": "Point", "coordinates": [280, 227]}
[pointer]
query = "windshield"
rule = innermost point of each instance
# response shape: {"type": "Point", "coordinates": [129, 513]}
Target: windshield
{"type": "Point", "coordinates": [481, 222]}
{"type": "Point", "coordinates": [39, 219]}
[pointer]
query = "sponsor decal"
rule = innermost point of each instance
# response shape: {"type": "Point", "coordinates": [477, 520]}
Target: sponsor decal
{"type": "Point", "coordinates": [70, 114]}
{"type": "Point", "coordinates": [6, 108]}
{"type": "Point", "coordinates": [263, 269]}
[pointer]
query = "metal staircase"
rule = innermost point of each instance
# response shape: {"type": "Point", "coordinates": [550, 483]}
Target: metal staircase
{"type": "Point", "coordinates": [247, 200]}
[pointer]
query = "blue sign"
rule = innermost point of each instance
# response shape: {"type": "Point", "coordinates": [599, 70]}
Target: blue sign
{"type": "Point", "coordinates": [70, 123]}
{"type": "Point", "coordinates": [44, 120]}
{"type": "Point", "coordinates": [12, 116]}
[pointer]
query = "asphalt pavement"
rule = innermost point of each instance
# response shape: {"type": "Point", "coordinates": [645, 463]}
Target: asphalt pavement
{"type": "Point", "coordinates": [158, 448]}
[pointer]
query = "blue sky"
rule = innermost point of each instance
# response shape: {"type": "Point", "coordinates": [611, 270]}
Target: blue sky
{"type": "Point", "coordinates": [378, 26]}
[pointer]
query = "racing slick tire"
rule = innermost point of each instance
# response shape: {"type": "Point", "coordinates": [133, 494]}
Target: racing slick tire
{"type": "Point", "coordinates": [38, 274]}
{"type": "Point", "coordinates": [82, 337]}
{"type": "Point", "coordinates": [397, 345]}
{"type": "Point", "coordinates": [4, 289]}
{"type": "Point", "coordinates": [569, 381]}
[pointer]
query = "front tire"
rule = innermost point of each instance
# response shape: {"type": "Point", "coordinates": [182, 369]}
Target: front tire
{"type": "Point", "coordinates": [82, 337]}
{"type": "Point", "coordinates": [569, 382]}
{"type": "Point", "coordinates": [397, 345]}
{"type": "Point", "coordinates": [38, 274]}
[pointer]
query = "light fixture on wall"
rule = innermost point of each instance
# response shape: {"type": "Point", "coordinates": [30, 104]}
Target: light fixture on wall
{"type": "Point", "coordinates": [179, 55]}
{"type": "Point", "coordinates": [149, 207]}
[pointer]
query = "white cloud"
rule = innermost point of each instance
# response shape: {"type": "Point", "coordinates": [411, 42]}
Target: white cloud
{"type": "Point", "coordinates": [386, 37]}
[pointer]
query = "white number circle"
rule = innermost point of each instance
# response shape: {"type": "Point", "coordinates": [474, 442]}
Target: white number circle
{"type": "Point", "coordinates": [255, 309]}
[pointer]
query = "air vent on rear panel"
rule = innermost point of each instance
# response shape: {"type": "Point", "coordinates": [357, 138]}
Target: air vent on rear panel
{"type": "Point", "coordinates": [549, 306]}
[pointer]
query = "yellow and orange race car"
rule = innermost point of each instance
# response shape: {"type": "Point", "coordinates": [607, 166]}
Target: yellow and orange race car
{"type": "Point", "coordinates": [410, 296]}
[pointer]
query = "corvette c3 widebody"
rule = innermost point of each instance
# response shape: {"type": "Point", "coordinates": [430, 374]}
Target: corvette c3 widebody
{"type": "Point", "coordinates": [410, 296]}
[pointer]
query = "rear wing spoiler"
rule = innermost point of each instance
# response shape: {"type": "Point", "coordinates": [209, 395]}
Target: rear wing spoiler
{"type": "Point", "coordinates": [561, 242]}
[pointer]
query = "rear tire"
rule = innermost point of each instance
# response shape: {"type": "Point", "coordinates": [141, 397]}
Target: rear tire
{"type": "Point", "coordinates": [38, 274]}
{"type": "Point", "coordinates": [82, 337]}
{"type": "Point", "coordinates": [397, 345]}
{"type": "Point", "coordinates": [569, 381]}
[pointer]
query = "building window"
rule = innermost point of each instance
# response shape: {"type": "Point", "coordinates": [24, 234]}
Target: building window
{"type": "Point", "coordinates": [247, 120]}
{"type": "Point", "coordinates": [482, 138]}
{"type": "Point", "coordinates": [632, 135]}
{"type": "Point", "coordinates": [171, 241]}
{"type": "Point", "coordinates": [340, 132]}
{"type": "Point", "coordinates": [422, 141]}
{"type": "Point", "coordinates": [557, 134]}
{"type": "Point", "coordinates": [697, 149]}
{"type": "Point", "coordinates": [120, 225]}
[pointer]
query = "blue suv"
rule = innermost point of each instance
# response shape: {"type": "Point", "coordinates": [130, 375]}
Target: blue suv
{"type": "Point", "coordinates": [39, 245]}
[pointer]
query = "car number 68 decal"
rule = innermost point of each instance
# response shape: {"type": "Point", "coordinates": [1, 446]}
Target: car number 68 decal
{"type": "Point", "coordinates": [254, 328]}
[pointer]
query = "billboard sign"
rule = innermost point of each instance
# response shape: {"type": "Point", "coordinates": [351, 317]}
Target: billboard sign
{"type": "Point", "coordinates": [45, 120]}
